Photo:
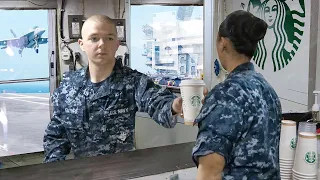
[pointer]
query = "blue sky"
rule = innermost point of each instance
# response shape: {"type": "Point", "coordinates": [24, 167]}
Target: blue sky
{"type": "Point", "coordinates": [30, 65]}
{"type": "Point", "coordinates": [141, 15]}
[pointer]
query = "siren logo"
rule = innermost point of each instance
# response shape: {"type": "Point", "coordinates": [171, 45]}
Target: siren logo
{"type": "Point", "coordinates": [293, 143]}
{"type": "Point", "coordinates": [310, 157]}
{"type": "Point", "coordinates": [195, 101]}
{"type": "Point", "coordinates": [286, 22]}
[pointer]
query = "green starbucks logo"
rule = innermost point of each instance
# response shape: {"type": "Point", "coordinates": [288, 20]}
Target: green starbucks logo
{"type": "Point", "coordinates": [310, 157]}
{"type": "Point", "coordinates": [293, 143]}
{"type": "Point", "coordinates": [286, 22]}
{"type": "Point", "coordinates": [195, 101]}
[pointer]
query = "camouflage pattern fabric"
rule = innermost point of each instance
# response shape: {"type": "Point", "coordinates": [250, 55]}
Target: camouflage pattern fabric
{"type": "Point", "coordinates": [93, 121]}
{"type": "Point", "coordinates": [240, 120]}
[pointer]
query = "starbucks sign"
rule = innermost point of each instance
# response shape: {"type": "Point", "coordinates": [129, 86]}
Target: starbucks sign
{"type": "Point", "coordinates": [282, 57]}
{"type": "Point", "coordinates": [285, 30]}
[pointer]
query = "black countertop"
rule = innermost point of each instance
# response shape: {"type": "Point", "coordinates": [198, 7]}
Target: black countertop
{"type": "Point", "coordinates": [298, 117]}
{"type": "Point", "coordinates": [127, 165]}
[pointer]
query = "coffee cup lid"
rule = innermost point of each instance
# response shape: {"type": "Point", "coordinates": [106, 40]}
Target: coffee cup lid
{"type": "Point", "coordinates": [192, 82]}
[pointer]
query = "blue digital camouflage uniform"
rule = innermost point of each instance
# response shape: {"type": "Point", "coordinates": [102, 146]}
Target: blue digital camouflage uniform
{"type": "Point", "coordinates": [240, 120]}
{"type": "Point", "coordinates": [100, 120]}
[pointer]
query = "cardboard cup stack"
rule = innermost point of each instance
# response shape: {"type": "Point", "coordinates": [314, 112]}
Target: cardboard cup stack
{"type": "Point", "coordinates": [287, 148]}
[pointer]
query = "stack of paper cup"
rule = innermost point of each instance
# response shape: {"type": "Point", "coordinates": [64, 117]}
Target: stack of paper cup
{"type": "Point", "coordinates": [305, 162]}
{"type": "Point", "coordinates": [287, 147]}
{"type": "Point", "coordinates": [192, 95]}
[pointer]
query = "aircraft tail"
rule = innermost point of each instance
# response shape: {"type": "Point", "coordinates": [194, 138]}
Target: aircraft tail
{"type": "Point", "coordinates": [14, 34]}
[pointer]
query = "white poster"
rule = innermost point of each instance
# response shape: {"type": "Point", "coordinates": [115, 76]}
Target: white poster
{"type": "Point", "coordinates": [283, 55]}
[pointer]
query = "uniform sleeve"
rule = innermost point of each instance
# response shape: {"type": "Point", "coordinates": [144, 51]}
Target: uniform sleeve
{"type": "Point", "coordinates": [155, 101]}
{"type": "Point", "coordinates": [218, 131]}
{"type": "Point", "coordinates": [56, 144]}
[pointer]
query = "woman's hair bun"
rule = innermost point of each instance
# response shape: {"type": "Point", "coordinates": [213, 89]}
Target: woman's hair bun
{"type": "Point", "coordinates": [244, 30]}
{"type": "Point", "coordinates": [256, 29]}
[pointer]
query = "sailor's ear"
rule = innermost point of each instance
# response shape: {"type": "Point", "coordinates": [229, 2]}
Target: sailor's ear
{"type": "Point", "coordinates": [80, 41]}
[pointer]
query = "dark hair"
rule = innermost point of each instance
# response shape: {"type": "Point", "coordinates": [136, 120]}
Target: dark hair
{"type": "Point", "coordinates": [244, 30]}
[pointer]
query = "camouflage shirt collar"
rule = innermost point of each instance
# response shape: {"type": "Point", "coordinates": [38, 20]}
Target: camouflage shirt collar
{"type": "Point", "coordinates": [81, 76]}
{"type": "Point", "coordinates": [248, 66]}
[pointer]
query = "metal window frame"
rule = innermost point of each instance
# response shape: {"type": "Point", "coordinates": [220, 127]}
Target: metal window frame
{"type": "Point", "coordinates": [128, 27]}
{"type": "Point", "coordinates": [314, 63]}
{"type": "Point", "coordinates": [208, 41]}
{"type": "Point", "coordinates": [23, 4]}
{"type": "Point", "coordinates": [52, 48]}
{"type": "Point", "coordinates": [52, 53]}
{"type": "Point", "coordinates": [214, 14]}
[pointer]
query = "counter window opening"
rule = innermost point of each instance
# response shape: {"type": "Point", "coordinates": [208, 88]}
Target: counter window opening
{"type": "Point", "coordinates": [168, 42]}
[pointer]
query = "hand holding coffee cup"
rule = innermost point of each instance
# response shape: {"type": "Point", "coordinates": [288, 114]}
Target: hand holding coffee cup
{"type": "Point", "coordinates": [177, 103]}
{"type": "Point", "coordinates": [193, 92]}
{"type": "Point", "coordinates": [205, 93]}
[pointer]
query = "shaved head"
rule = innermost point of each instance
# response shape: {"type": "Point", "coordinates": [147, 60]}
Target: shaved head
{"type": "Point", "coordinates": [101, 19]}
{"type": "Point", "coordinates": [99, 40]}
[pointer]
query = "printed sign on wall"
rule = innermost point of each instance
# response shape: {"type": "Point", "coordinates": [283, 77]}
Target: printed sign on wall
{"type": "Point", "coordinates": [283, 55]}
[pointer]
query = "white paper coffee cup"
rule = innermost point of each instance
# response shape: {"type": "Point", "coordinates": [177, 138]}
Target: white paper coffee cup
{"type": "Point", "coordinates": [288, 140]}
{"type": "Point", "coordinates": [305, 161]}
{"type": "Point", "coordinates": [192, 95]}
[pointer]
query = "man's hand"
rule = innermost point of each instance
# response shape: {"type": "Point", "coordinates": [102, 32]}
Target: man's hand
{"type": "Point", "coordinates": [205, 93]}
{"type": "Point", "coordinates": [177, 106]}
{"type": "Point", "coordinates": [177, 103]}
